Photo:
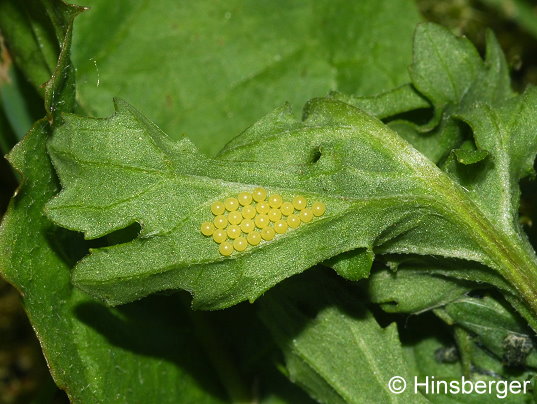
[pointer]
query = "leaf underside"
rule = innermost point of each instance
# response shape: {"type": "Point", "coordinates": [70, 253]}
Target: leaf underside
{"type": "Point", "coordinates": [376, 186]}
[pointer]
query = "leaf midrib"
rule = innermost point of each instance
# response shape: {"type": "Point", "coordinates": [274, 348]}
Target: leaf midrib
{"type": "Point", "coordinates": [357, 204]}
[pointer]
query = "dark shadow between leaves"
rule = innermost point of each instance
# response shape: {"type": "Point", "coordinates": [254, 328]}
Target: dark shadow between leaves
{"type": "Point", "coordinates": [71, 246]}
{"type": "Point", "coordinates": [288, 308]}
{"type": "Point", "coordinates": [158, 326]}
{"type": "Point", "coordinates": [528, 207]}
{"type": "Point", "coordinates": [252, 348]}
{"type": "Point", "coordinates": [417, 116]}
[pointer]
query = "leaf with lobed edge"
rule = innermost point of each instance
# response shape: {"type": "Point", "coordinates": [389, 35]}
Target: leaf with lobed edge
{"type": "Point", "coordinates": [450, 87]}
{"type": "Point", "coordinates": [326, 334]}
{"type": "Point", "coordinates": [379, 192]}
{"type": "Point", "coordinates": [352, 265]}
{"type": "Point", "coordinates": [455, 84]}
{"type": "Point", "coordinates": [487, 81]}
{"type": "Point", "coordinates": [507, 133]}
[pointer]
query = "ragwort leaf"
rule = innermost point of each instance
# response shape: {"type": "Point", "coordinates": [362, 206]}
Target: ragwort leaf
{"type": "Point", "coordinates": [449, 73]}
{"type": "Point", "coordinates": [507, 133]}
{"type": "Point", "coordinates": [413, 291]}
{"type": "Point", "coordinates": [326, 334]}
{"type": "Point", "coordinates": [211, 69]}
{"type": "Point", "coordinates": [380, 193]}
{"type": "Point", "coordinates": [448, 70]}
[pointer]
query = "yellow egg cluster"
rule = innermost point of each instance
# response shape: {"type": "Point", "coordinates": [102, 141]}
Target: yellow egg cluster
{"type": "Point", "coordinates": [254, 217]}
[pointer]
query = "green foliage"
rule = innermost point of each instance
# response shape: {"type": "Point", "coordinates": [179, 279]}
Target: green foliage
{"type": "Point", "coordinates": [412, 291]}
{"type": "Point", "coordinates": [35, 32]}
{"type": "Point", "coordinates": [211, 69]}
{"type": "Point", "coordinates": [419, 172]}
{"type": "Point", "coordinates": [496, 328]}
{"type": "Point", "coordinates": [326, 334]}
{"type": "Point", "coordinates": [130, 172]}
{"type": "Point", "coordinates": [87, 345]}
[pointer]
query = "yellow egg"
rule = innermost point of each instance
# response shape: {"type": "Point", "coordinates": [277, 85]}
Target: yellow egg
{"type": "Point", "coordinates": [231, 204]}
{"type": "Point", "coordinates": [306, 215]}
{"type": "Point", "coordinates": [233, 231]}
{"type": "Point", "coordinates": [274, 215]}
{"type": "Point", "coordinates": [220, 235]}
{"type": "Point", "coordinates": [247, 226]}
{"type": "Point", "coordinates": [262, 221]}
{"type": "Point", "coordinates": [240, 244]}
{"type": "Point", "coordinates": [287, 208]}
{"type": "Point", "coordinates": [280, 226]}
{"type": "Point", "coordinates": [220, 221]}
{"type": "Point", "coordinates": [275, 201]}
{"type": "Point", "coordinates": [299, 202]}
{"type": "Point", "coordinates": [226, 248]}
{"type": "Point", "coordinates": [234, 217]}
{"type": "Point", "coordinates": [248, 212]}
{"type": "Point", "coordinates": [253, 238]}
{"type": "Point", "coordinates": [318, 208]}
{"type": "Point", "coordinates": [244, 198]}
{"type": "Point", "coordinates": [293, 221]}
{"type": "Point", "coordinates": [267, 233]}
{"type": "Point", "coordinates": [259, 194]}
{"type": "Point", "coordinates": [207, 228]}
{"type": "Point", "coordinates": [218, 208]}
{"type": "Point", "coordinates": [262, 207]}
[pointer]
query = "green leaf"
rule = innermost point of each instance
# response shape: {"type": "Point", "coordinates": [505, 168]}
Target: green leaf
{"type": "Point", "coordinates": [413, 291]}
{"type": "Point", "coordinates": [507, 134]}
{"type": "Point", "coordinates": [450, 74]}
{"type": "Point", "coordinates": [444, 66]}
{"type": "Point", "coordinates": [451, 87]}
{"type": "Point", "coordinates": [418, 283]}
{"type": "Point", "coordinates": [470, 156]}
{"type": "Point", "coordinates": [80, 337]}
{"type": "Point", "coordinates": [211, 69]}
{"type": "Point", "coordinates": [326, 335]}
{"type": "Point", "coordinates": [130, 172]}
{"type": "Point", "coordinates": [499, 329]}
{"type": "Point", "coordinates": [353, 265]}
{"type": "Point", "coordinates": [98, 199]}
{"type": "Point", "coordinates": [397, 101]}
{"type": "Point", "coordinates": [449, 268]}
{"type": "Point", "coordinates": [448, 70]}
{"type": "Point", "coordinates": [437, 143]}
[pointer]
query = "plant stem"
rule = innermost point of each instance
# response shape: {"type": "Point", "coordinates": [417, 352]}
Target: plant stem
{"type": "Point", "coordinates": [509, 255]}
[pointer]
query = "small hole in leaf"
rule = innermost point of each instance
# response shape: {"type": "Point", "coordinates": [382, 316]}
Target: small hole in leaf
{"type": "Point", "coordinates": [315, 155]}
